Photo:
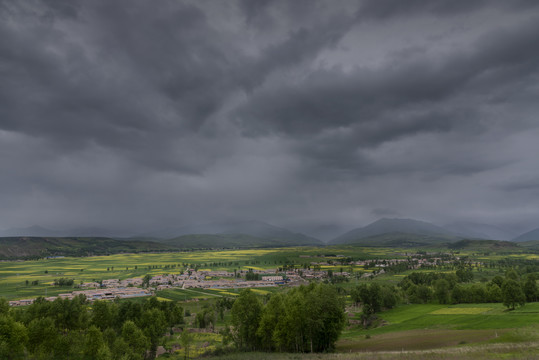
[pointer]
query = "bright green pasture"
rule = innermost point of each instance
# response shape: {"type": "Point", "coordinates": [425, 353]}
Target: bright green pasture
{"type": "Point", "coordinates": [453, 317]}
{"type": "Point", "coordinates": [431, 326]}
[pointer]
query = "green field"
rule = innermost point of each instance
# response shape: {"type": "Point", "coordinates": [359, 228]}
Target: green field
{"type": "Point", "coordinates": [14, 274]}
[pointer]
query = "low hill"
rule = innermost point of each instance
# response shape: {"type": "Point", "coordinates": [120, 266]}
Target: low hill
{"type": "Point", "coordinates": [395, 227]}
{"type": "Point", "coordinates": [35, 247]}
{"type": "Point", "coordinates": [529, 236]}
{"type": "Point", "coordinates": [532, 244]}
{"type": "Point", "coordinates": [207, 241]}
{"type": "Point", "coordinates": [232, 230]}
{"type": "Point", "coordinates": [216, 241]}
{"type": "Point", "coordinates": [34, 230]}
{"type": "Point", "coordinates": [492, 245]}
{"type": "Point", "coordinates": [402, 240]}
{"type": "Point", "coordinates": [480, 231]}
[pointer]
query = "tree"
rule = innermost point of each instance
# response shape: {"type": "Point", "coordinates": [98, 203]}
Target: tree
{"type": "Point", "coordinates": [246, 313]}
{"type": "Point", "coordinates": [4, 306]}
{"type": "Point", "coordinates": [93, 342]}
{"type": "Point", "coordinates": [512, 294]}
{"type": "Point", "coordinates": [511, 274]}
{"type": "Point", "coordinates": [186, 339]}
{"type": "Point", "coordinates": [370, 297]}
{"type": "Point", "coordinates": [494, 293]}
{"type": "Point", "coordinates": [13, 338]}
{"type": "Point", "coordinates": [154, 325]}
{"type": "Point", "coordinates": [146, 280]}
{"type": "Point", "coordinates": [42, 336]}
{"type": "Point", "coordinates": [273, 311]}
{"type": "Point", "coordinates": [389, 296]}
{"type": "Point", "coordinates": [441, 291]}
{"type": "Point", "coordinates": [101, 314]}
{"type": "Point", "coordinates": [464, 274]}
{"type": "Point", "coordinates": [135, 339]}
{"type": "Point", "coordinates": [325, 317]}
{"type": "Point", "coordinates": [530, 288]}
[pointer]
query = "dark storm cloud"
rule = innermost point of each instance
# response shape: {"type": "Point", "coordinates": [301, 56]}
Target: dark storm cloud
{"type": "Point", "coordinates": [334, 98]}
{"type": "Point", "coordinates": [383, 9]}
{"type": "Point", "coordinates": [316, 114]}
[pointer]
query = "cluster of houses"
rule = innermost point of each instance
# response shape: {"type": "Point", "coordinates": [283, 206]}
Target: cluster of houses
{"type": "Point", "coordinates": [92, 295]}
{"type": "Point", "coordinates": [215, 280]}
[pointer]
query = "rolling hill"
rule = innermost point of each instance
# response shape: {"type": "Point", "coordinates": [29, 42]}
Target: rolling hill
{"type": "Point", "coordinates": [480, 231]}
{"type": "Point", "coordinates": [216, 241]}
{"type": "Point", "coordinates": [483, 245]}
{"type": "Point", "coordinates": [393, 231]}
{"type": "Point", "coordinates": [529, 236]}
{"type": "Point", "coordinates": [37, 247]}
{"type": "Point", "coordinates": [238, 231]}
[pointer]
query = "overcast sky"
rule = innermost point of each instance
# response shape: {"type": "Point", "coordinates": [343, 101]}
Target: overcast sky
{"type": "Point", "coordinates": [313, 115]}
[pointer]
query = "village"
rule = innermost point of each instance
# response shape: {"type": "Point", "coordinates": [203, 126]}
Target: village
{"type": "Point", "coordinates": [110, 289]}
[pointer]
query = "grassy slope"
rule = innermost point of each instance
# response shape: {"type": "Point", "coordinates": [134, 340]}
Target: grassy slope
{"type": "Point", "coordinates": [21, 247]}
{"type": "Point", "coordinates": [403, 240]}
{"type": "Point", "coordinates": [430, 326]}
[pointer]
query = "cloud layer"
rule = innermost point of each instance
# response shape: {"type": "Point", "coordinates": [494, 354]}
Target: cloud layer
{"type": "Point", "coordinates": [315, 115]}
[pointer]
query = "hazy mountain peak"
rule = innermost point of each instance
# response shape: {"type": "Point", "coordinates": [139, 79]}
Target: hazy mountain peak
{"type": "Point", "coordinates": [480, 231]}
{"type": "Point", "coordinates": [528, 236]}
{"type": "Point", "coordinates": [34, 230]}
{"type": "Point", "coordinates": [395, 225]}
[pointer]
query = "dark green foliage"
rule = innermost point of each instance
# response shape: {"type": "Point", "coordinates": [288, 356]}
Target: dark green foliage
{"type": "Point", "coordinates": [464, 274]}
{"type": "Point", "coordinates": [70, 329]}
{"type": "Point", "coordinates": [251, 276]}
{"type": "Point", "coordinates": [63, 282]}
{"type": "Point", "coordinates": [13, 338]}
{"type": "Point", "coordinates": [246, 313]}
{"type": "Point", "coordinates": [305, 319]}
{"type": "Point", "coordinates": [530, 288]}
{"type": "Point", "coordinates": [512, 294]}
{"type": "Point", "coordinates": [441, 290]}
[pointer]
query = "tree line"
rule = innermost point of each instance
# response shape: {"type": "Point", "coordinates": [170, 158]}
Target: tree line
{"type": "Point", "coordinates": [445, 288]}
{"type": "Point", "coordinates": [74, 329]}
{"type": "Point", "coordinates": [512, 290]}
{"type": "Point", "coordinates": [304, 319]}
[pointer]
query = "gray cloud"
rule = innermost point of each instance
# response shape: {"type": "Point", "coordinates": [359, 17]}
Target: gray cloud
{"type": "Point", "coordinates": [317, 116]}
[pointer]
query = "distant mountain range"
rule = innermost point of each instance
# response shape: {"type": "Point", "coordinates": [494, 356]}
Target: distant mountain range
{"type": "Point", "coordinates": [529, 236]}
{"type": "Point", "coordinates": [36, 240]}
{"type": "Point", "coordinates": [251, 227]}
{"type": "Point", "coordinates": [480, 231]}
{"type": "Point", "coordinates": [242, 234]}
{"type": "Point", "coordinates": [76, 232]}
{"type": "Point", "coordinates": [413, 232]}
{"type": "Point", "coordinates": [390, 230]}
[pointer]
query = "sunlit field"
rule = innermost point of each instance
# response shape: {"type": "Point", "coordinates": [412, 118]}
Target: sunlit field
{"type": "Point", "coordinates": [14, 274]}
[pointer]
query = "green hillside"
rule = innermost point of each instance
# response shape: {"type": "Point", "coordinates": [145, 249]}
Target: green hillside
{"type": "Point", "coordinates": [399, 239]}
{"type": "Point", "coordinates": [493, 245]}
{"type": "Point", "coordinates": [34, 247]}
